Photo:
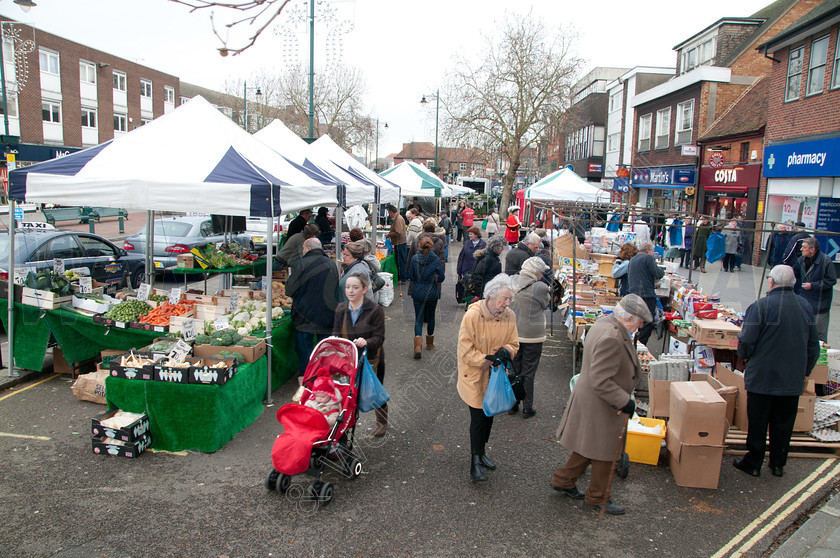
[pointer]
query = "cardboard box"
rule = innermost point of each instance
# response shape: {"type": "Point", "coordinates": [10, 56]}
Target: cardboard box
{"type": "Point", "coordinates": [146, 372]}
{"type": "Point", "coordinates": [121, 449]}
{"type": "Point", "coordinates": [606, 299]}
{"type": "Point", "coordinates": [251, 354]}
{"type": "Point", "coordinates": [805, 409]}
{"type": "Point", "coordinates": [129, 433]}
{"type": "Point", "coordinates": [659, 394]}
{"type": "Point", "coordinates": [90, 305]}
{"type": "Point", "coordinates": [4, 290]}
{"type": "Point", "coordinates": [729, 378]}
{"type": "Point", "coordinates": [694, 466]}
{"type": "Point", "coordinates": [819, 375]}
{"type": "Point", "coordinates": [729, 393]}
{"type": "Point", "coordinates": [205, 373]}
{"type": "Point", "coordinates": [60, 364]}
{"type": "Point", "coordinates": [698, 413]}
{"type": "Point", "coordinates": [176, 374]}
{"type": "Point", "coordinates": [563, 248]}
{"type": "Point", "coordinates": [715, 333]}
{"type": "Point", "coordinates": [601, 257]}
{"type": "Point", "coordinates": [186, 260]}
{"type": "Point", "coordinates": [605, 268]}
{"type": "Point", "coordinates": [108, 355]}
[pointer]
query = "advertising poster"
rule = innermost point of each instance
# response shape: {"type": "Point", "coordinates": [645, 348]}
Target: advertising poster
{"type": "Point", "coordinates": [828, 219]}
{"type": "Point", "coordinates": [790, 210]}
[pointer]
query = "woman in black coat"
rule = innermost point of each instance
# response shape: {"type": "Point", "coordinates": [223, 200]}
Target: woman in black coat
{"type": "Point", "coordinates": [323, 222]}
{"type": "Point", "coordinates": [366, 331]}
{"type": "Point", "coordinates": [490, 264]}
{"type": "Point", "coordinates": [425, 271]}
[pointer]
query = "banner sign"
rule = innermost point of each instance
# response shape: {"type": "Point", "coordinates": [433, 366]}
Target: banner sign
{"type": "Point", "coordinates": [805, 158]}
{"type": "Point", "coordinates": [665, 177]}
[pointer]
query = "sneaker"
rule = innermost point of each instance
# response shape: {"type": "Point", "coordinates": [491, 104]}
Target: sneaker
{"type": "Point", "coordinates": [612, 509]}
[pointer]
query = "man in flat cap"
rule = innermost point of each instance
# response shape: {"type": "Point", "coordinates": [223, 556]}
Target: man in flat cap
{"type": "Point", "coordinates": [592, 423]}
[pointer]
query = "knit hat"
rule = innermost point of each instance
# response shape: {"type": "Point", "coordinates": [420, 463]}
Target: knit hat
{"type": "Point", "coordinates": [326, 386]}
{"type": "Point", "coordinates": [534, 267]}
{"type": "Point", "coordinates": [635, 305]}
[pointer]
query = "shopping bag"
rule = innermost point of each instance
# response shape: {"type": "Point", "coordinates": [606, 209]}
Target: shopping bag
{"type": "Point", "coordinates": [372, 394]}
{"type": "Point", "coordinates": [484, 224]}
{"type": "Point", "coordinates": [517, 384]}
{"type": "Point", "coordinates": [499, 397]}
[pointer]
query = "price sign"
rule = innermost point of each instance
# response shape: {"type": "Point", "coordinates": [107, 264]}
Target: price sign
{"type": "Point", "coordinates": [265, 281]}
{"type": "Point", "coordinates": [143, 292]}
{"type": "Point", "coordinates": [189, 329]}
{"type": "Point", "coordinates": [221, 323]}
{"type": "Point", "coordinates": [234, 302]}
{"type": "Point", "coordinates": [179, 351]}
{"type": "Point", "coordinates": [85, 284]}
{"type": "Point", "coordinates": [175, 295]}
{"type": "Point", "coordinates": [58, 266]}
{"type": "Point", "coordinates": [20, 275]}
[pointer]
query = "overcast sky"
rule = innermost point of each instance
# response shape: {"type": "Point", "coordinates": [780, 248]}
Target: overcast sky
{"type": "Point", "coordinates": [403, 47]}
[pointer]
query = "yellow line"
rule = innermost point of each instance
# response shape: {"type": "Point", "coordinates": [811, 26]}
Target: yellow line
{"type": "Point", "coordinates": [30, 386]}
{"type": "Point", "coordinates": [789, 510]}
{"type": "Point", "coordinates": [10, 435]}
{"type": "Point", "coordinates": [181, 453]}
{"type": "Point", "coordinates": [772, 509]}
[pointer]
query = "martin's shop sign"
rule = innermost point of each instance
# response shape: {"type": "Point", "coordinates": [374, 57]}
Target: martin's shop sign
{"type": "Point", "coordinates": [730, 178]}
{"type": "Point", "coordinates": [664, 177]}
{"type": "Point", "coordinates": [806, 158]}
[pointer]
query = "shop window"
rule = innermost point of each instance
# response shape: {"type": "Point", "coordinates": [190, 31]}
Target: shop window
{"type": "Point", "coordinates": [663, 128]}
{"type": "Point", "coordinates": [745, 152]}
{"type": "Point", "coordinates": [794, 75]}
{"type": "Point", "coordinates": [685, 122]}
{"type": "Point", "coordinates": [835, 73]}
{"type": "Point", "coordinates": [644, 132]}
{"type": "Point", "coordinates": [816, 70]}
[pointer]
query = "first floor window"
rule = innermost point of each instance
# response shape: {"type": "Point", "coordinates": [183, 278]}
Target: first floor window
{"type": "Point", "coordinates": [685, 122]}
{"type": "Point", "coordinates": [169, 95]}
{"type": "Point", "coordinates": [794, 75]}
{"type": "Point", "coordinates": [48, 61]}
{"type": "Point", "coordinates": [835, 74]}
{"type": "Point", "coordinates": [11, 103]}
{"type": "Point", "coordinates": [87, 72]}
{"type": "Point", "coordinates": [663, 128]}
{"type": "Point", "coordinates": [119, 81]}
{"type": "Point", "coordinates": [51, 112]}
{"type": "Point", "coordinates": [88, 118]}
{"type": "Point", "coordinates": [145, 88]}
{"type": "Point", "coordinates": [816, 71]}
{"type": "Point", "coordinates": [120, 124]}
{"type": "Point", "coordinates": [613, 142]}
{"type": "Point", "coordinates": [644, 132]}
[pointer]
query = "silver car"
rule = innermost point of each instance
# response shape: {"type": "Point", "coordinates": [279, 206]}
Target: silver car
{"type": "Point", "coordinates": [178, 235]}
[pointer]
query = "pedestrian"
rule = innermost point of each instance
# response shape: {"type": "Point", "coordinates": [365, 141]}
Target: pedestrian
{"type": "Point", "coordinates": [779, 240]}
{"type": "Point", "coordinates": [524, 250]}
{"type": "Point", "coordinates": [425, 273]}
{"type": "Point", "coordinates": [357, 235]}
{"type": "Point", "coordinates": [512, 225]}
{"type": "Point", "coordinates": [793, 251]}
{"type": "Point", "coordinates": [591, 425]}
{"type": "Point", "coordinates": [466, 258]}
{"type": "Point", "coordinates": [673, 238]}
{"type": "Point", "coordinates": [446, 224]}
{"type": "Point", "coordinates": [701, 235]}
{"type": "Point", "coordinates": [433, 233]}
{"type": "Point", "coordinates": [467, 218]}
{"type": "Point", "coordinates": [731, 236]}
{"type": "Point", "coordinates": [818, 280]}
{"type": "Point", "coordinates": [622, 262]}
{"type": "Point", "coordinates": [642, 275]}
{"type": "Point", "coordinates": [398, 238]}
{"type": "Point", "coordinates": [492, 223]}
{"type": "Point", "coordinates": [458, 221]}
{"type": "Point", "coordinates": [323, 222]}
{"type": "Point", "coordinates": [415, 225]}
{"type": "Point", "coordinates": [488, 263]}
{"type": "Point", "coordinates": [362, 321]}
{"type": "Point", "coordinates": [298, 223]}
{"type": "Point", "coordinates": [312, 286]}
{"type": "Point", "coordinates": [353, 261]}
{"type": "Point", "coordinates": [292, 250]}
{"type": "Point", "coordinates": [530, 300]}
{"type": "Point", "coordinates": [685, 249]}
{"type": "Point", "coordinates": [779, 342]}
{"type": "Point", "coordinates": [486, 336]}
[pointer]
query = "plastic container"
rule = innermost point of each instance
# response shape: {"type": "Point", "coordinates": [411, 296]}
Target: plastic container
{"type": "Point", "coordinates": [643, 447]}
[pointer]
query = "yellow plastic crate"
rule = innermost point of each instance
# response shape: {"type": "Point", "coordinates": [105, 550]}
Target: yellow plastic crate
{"type": "Point", "coordinates": [643, 447]}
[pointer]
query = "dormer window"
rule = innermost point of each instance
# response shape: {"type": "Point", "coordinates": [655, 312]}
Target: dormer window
{"type": "Point", "coordinates": [698, 54]}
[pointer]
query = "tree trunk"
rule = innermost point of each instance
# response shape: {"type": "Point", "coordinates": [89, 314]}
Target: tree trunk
{"type": "Point", "coordinates": [507, 187]}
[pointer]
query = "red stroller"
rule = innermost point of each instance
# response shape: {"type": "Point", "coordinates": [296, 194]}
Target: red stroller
{"type": "Point", "coordinates": [308, 442]}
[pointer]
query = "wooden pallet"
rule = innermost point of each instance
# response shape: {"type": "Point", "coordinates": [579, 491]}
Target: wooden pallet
{"type": "Point", "coordinates": [800, 441]}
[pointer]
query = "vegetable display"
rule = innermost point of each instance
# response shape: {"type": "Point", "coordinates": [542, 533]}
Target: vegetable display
{"type": "Point", "coordinates": [225, 338]}
{"type": "Point", "coordinates": [128, 311]}
{"type": "Point", "coordinates": [158, 298]}
{"type": "Point", "coordinates": [46, 280]}
{"type": "Point", "coordinates": [251, 316]}
{"type": "Point", "coordinates": [278, 295]}
{"type": "Point", "coordinates": [163, 345]}
{"type": "Point", "coordinates": [238, 358]}
{"type": "Point", "coordinates": [160, 316]}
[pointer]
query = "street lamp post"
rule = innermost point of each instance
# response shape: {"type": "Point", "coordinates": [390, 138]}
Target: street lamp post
{"type": "Point", "coordinates": [376, 156]}
{"type": "Point", "coordinates": [258, 95]}
{"type": "Point", "coordinates": [423, 101]}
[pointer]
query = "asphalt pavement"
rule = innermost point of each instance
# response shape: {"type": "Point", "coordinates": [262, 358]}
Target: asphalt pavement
{"type": "Point", "coordinates": [414, 497]}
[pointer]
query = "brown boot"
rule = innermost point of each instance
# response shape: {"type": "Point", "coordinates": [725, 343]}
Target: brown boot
{"type": "Point", "coordinates": [381, 421]}
{"type": "Point", "coordinates": [418, 346]}
{"type": "Point", "coordinates": [430, 341]}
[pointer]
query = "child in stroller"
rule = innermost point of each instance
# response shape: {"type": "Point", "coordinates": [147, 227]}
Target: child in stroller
{"type": "Point", "coordinates": [325, 397]}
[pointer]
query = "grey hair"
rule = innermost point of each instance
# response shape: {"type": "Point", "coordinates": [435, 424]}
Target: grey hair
{"type": "Point", "coordinates": [783, 276]}
{"type": "Point", "coordinates": [496, 242]}
{"type": "Point", "coordinates": [646, 247]}
{"type": "Point", "coordinates": [811, 241]}
{"type": "Point", "coordinates": [311, 243]}
{"type": "Point", "coordinates": [532, 238]}
{"type": "Point", "coordinates": [498, 283]}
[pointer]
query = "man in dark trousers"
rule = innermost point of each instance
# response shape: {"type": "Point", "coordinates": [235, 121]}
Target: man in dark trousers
{"type": "Point", "coordinates": [312, 285]}
{"type": "Point", "coordinates": [525, 249]}
{"type": "Point", "coordinates": [779, 343]}
{"type": "Point", "coordinates": [793, 251]}
{"type": "Point", "coordinates": [642, 275]}
{"type": "Point", "coordinates": [298, 223]}
{"type": "Point", "coordinates": [398, 237]}
{"type": "Point", "coordinates": [816, 281]}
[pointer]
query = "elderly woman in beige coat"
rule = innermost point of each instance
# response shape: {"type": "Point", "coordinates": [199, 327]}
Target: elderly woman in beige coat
{"type": "Point", "coordinates": [592, 423]}
{"type": "Point", "coordinates": [487, 334]}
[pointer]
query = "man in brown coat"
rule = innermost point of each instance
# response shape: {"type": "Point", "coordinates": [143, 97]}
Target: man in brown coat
{"type": "Point", "coordinates": [592, 423]}
{"type": "Point", "coordinates": [397, 234]}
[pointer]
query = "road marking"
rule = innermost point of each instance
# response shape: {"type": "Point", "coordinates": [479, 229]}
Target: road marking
{"type": "Point", "coordinates": [10, 435]}
{"type": "Point", "coordinates": [772, 509]}
{"type": "Point", "coordinates": [30, 386]}
{"type": "Point", "coordinates": [182, 453]}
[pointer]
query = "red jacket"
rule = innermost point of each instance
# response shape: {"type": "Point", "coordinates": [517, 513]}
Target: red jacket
{"type": "Point", "coordinates": [512, 228]}
{"type": "Point", "coordinates": [468, 217]}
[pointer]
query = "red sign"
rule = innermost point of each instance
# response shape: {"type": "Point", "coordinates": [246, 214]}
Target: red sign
{"type": "Point", "coordinates": [716, 159]}
{"type": "Point", "coordinates": [622, 172]}
{"type": "Point", "coordinates": [745, 176]}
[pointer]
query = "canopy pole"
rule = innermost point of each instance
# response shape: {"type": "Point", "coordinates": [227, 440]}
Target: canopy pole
{"type": "Point", "coordinates": [374, 225]}
{"type": "Point", "coordinates": [11, 292]}
{"type": "Point", "coordinates": [339, 217]}
{"type": "Point", "coordinates": [150, 248]}
{"type": "Point", "coordinates": [269, 274]}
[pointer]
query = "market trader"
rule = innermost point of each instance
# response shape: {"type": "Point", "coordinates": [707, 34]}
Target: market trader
{"type": "Point", "coordinates": [642, 274]}
{"type": "Point", "coordinates": [779, 343]}
{"type": "Point", "coordinates": [818, 277]}
{"type": "Point", "coordinates": [298, 223]}
{"type": "Point", "coordinates": [398, 238]}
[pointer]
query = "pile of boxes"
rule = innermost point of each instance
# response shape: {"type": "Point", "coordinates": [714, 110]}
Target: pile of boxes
{"type": "Point", "coordinates": [116, 432]}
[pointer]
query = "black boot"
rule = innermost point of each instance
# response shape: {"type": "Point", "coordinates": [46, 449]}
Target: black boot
{"type": "Point", "coordinates": [476, 470]}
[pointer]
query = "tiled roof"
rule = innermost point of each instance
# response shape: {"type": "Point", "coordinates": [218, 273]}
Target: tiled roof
{"type": "Point", "coordinates": [808, 19]}
{"type": "Point", "coordinates": [771, 13]}
{"type": "Point", "coordinates": [746, 115]}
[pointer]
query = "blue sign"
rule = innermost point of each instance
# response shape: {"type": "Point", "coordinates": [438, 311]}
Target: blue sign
{"type": "Point", "coordinates": [665, 177]}
{"type": "Point", "coordinates": [621, 184]}
{"type": "Point", "coordinates": [19, 213]}
{"type": "Point", "coordinates": [828, 219]}
{"type": "Point", "coordinates": [804, 158]}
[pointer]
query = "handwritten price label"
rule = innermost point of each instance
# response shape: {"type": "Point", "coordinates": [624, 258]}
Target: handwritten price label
{"type": "Point", "coordinates": [189, 330]}
{"type": "Point", "coordinates": [143, 292]}
{"type": "Point", "coordinates": [175, 296]}
{"type": "Point", "coordinates": [234, 302]}
{"type": "Point", "coordinates": [180, 351]}
{"type": "Point", "coordinates": [221, 323]}
{"type": "Point", "coordinates": [85, 284]}
{"type": "Point", "coordinates": [58, 266]}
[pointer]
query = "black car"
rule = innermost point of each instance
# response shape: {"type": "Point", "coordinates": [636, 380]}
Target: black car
{"type": "Point", "coordinates": [38, 249]}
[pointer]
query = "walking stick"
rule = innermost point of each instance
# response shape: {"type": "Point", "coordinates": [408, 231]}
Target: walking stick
{"type": "Point", "coordinates": [618, 451]}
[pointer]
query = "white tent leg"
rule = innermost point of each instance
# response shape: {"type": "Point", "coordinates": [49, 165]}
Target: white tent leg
{"type": "Point", "coordinates": [339, 217]}
{"type": "Point", "coordinates": [269, 246]}
{"type": "Point", "coordinates": [10, 330]}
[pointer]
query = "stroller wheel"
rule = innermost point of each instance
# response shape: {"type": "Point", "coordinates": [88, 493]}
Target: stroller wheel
{"type": "Point", "coordinates": [271, 479]}
{"type": "Point", "coordinates": [622, 468]}
{"type": "Point", "coordinates": [325, 494]}
{"type": "Point", "coordinates": [282, 483]}
{"type": "Point", "coordinates": [353, 469]}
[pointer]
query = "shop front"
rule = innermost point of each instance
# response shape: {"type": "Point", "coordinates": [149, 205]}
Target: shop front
{"type": "Point", "coordinates": [664, 187]}
{"type": "Point", "coordinates": [729, 191]}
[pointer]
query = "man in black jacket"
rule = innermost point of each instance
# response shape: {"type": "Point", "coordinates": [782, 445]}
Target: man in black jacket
{"type": "Point", "coordinates": [642, 275]}
{"type": "Point", "coordinates": [817, 277]}
{"type": "Point", "coordinates": [298, 223]}
{"type": "Point", "coordinates": [312, 285]}
{"type": "Point", "coordinates": [793, 251]}
{"type": "Point", "coordinates": [779, 343]}
{"type": "Point", "coordinates": [525, 249]}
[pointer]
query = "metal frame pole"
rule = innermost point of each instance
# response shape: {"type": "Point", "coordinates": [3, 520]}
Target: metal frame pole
{"type": "Point", "coordinates": [312, 69]}
{"type": "Point", "coordinates": [269, 272]}
{"type": "Point", "coordinates": [10, 301]}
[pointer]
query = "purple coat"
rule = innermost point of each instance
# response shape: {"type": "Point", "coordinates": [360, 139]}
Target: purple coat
{"type": "Point", "coordinates": [466, 260]}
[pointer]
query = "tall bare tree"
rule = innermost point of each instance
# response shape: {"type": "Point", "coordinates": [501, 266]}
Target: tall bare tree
{"type": "Point", "coordinates": [521, 87]}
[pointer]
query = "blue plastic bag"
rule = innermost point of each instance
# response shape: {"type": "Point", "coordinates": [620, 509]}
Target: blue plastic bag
{"type": "Point", "coordinates": [715, 247]}
{"type": "Point", "coordinates": [499, 397]}
{"type": "Point", "coordinates": [372, 394]}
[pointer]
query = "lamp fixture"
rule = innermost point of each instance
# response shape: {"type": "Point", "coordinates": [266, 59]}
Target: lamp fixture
{"type": "Point", "coordinates": [25, 5]}
{"type": "Point", "coordinates": [423, 101]}
{"type": "Point", "coordinates": [719, 148]}
{"type": "Point", "coordinates": [102, 65]}
{"type": "Point", "coordinates": [258, 94]}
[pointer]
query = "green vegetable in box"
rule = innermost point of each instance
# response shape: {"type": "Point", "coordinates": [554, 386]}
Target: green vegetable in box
{"type": "Point", "coordinates": [158, 298]}
{"type": "Point", "coordinates": [163, 345]}
{"type": "Point", "coordinates": [46, 280]}
{"type": "Point", "coordinates": [128, 311]}
{"type": "Point", "coordinates": [226, 355]}
{"type": "Point", "coordinates": [225, 338]}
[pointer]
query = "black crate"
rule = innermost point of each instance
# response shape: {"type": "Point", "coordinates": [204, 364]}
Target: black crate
{"type": "Point", "coordinates": [100, 319]}
{"type": "Point", "coordinates": [204, 374]}
{"type": "Point", "coordinates": [175, 374]}
{"type": "Point", "coordinates": [121, 449]}
{"type": "Point", "coordinates": [149, 327]}
{"type": "Point", "coordinates": [130, 433]}
{"type": "Point", "coordinates": [146, 372]}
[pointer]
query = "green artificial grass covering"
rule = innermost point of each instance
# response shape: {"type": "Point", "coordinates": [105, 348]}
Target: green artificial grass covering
{"type": "Point", "coordinates": [284, 360]}
{"type": "Point", "coordinates": [193, 416]}
{"type": "Point", "coordinates": [389, 265]}
{"type": "Point", "coordinates": [32, 333]}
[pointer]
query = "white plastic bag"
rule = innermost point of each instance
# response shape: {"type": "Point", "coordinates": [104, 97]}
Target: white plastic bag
{"type": "Point", "coordinates": [386, 293]}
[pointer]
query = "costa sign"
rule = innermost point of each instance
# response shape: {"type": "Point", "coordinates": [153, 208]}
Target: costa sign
{"type": "Point", "coordinates": [731, 175]}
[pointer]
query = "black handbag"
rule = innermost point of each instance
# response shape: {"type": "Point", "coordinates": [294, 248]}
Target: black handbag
{"type": "Point", "coordinates": [517, 382]}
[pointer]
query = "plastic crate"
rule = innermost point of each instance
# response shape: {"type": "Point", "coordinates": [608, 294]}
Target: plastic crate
{"type": "Point", "coordinates": [643, 447]}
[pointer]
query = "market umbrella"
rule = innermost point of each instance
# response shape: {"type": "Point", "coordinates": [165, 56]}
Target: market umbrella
{"type": "Point", "coordinates": [416, 181]}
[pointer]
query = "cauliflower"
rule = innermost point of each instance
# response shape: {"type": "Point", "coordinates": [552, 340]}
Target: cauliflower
{"type": "Point", "coordinates": [254, 321]}
{"type": "Point", "coordinates": [243, 331]}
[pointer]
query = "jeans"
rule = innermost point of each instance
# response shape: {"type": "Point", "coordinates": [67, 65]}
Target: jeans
{"type": "Point", "coordinates": [480, 425]}
{"type": "Point", "coordinates": [401, 251]}
{"type": "Point", "coordinates": [424, 311]}
{"type": "Point", "coordinates": [446, 248]}
{"type": "Point", "coordinates": [526, 362]}
{"type": "Point", "coordinates": [304, 343]}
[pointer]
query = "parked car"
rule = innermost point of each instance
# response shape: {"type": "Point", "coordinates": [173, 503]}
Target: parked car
{"type": "Point", "coordinates": [106, 262]}
{"type": "Point", "coordinates": [256, 228]}
{"type": "Point", "coordinates": [178, 235]}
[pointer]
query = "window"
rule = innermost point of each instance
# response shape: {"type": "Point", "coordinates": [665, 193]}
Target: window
{"type": "Point", "coordinates": [206, 229]}
{"type": "Point", "coordinates": [835, 74]}
{"type": "Point", "coordinates": [816, 71]}
{"type": "Point", "coordinates": [462, 166]}
{"type": "Point", "coordinates": [615, 101]}
{"type": "Point", "coordinates": [613, 142]}
{"type": "Point", "coordinates": [51, 112]}
{"type": "Point", "coordinates": [95, 248]}
{"type": "Point", "coordinates": [745, 152]}
{"type": "Point", "coordinates": [144, 121]}
{"type": "Point", "coordinates": [120, 124]}
{"type": "Point", "coordinates": [707, 52]}
{"type": "Point", "coordinates": [87, 72]}
{"type": "Point", "coordinates": [119, 81]}
{"type": "Point", "coordinates": [698, 55]}
{"type": "Point", "coordinates": [65, 247]}
{"type": "Point", "coordinates": [663, 128]}
{"type": "Point", "coordinates": [184, 100]}
{"type": "Point", "coordinates": [685, 122]}
{"type": "Point", "coordinates": [88, 118]}
{"type": "Point", "coordinates": [49, 61]}
{"type": "Point", "coordinates": [794, 75]}
{"type": "Point", "coordinates": [169, 95]}
{"type": "Point", "coordinates": [11, 103]}
{"type": "Point", "coordinates": [644, 132]}
{"type": "Point", "coordinates": [8, 50]}
{"type": "Point", "coordinates": [145, 88]}
{"type": "Point", "coordinates": [691, 59]}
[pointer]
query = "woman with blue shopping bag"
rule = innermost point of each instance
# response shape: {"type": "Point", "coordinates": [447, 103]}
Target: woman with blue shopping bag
{"type": "Point", "coordinates": [487, 337]}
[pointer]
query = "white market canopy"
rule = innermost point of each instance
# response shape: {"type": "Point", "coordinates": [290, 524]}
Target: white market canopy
{"type": "Point", "coordinates": [565, 185]}
{"type": "Point", "coordinates": [191, 159]}
{"type": "Point", "coordinates": [416, 181]}
{"type": "Point", "coordinates": [325, 147]}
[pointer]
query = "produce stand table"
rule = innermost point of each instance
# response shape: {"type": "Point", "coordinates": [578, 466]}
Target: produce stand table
{"type": "Point", "coordinates": [256, 268]}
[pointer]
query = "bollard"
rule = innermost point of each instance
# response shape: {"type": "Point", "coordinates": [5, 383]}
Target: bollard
{"type": "Point", "coordinates": [122, 228]}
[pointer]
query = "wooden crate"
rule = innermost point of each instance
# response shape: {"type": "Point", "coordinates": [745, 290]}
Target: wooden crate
{"type": "Point", "coordinates": [208, 312]}
{"type": "Point", "coordinates": [176, 324]}
{"type": "Point", "coordinates": [43, 299]}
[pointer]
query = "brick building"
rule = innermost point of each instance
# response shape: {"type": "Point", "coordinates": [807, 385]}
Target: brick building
{"type": "Point", "coordinates": [452, 161]}
{"type": "Point", "coordinates": [802, 141]}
